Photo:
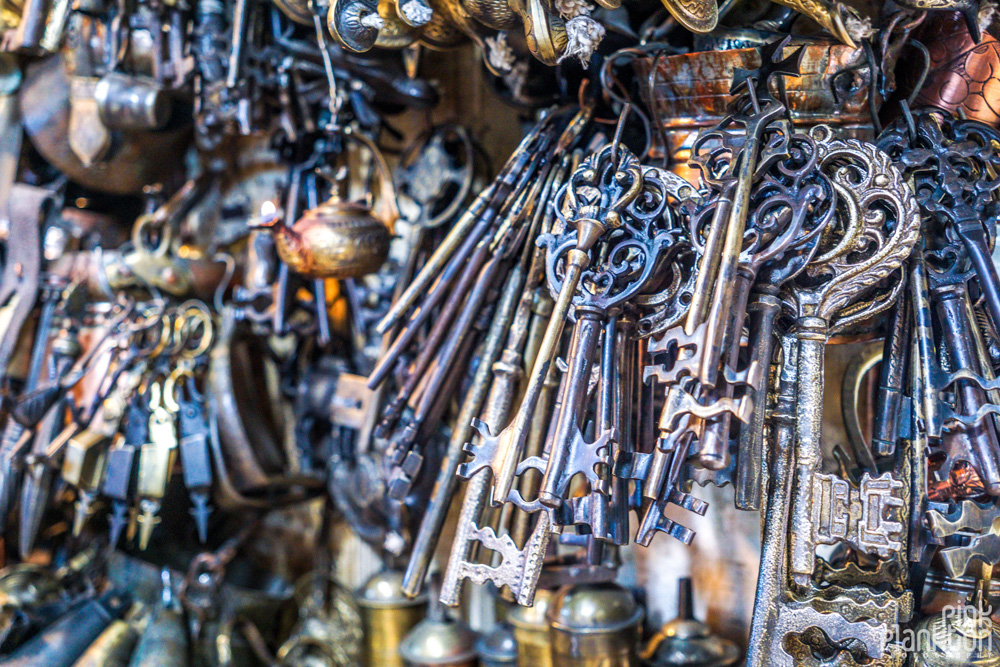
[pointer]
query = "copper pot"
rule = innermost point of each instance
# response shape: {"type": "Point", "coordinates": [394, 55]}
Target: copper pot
{"type": "Point", "coordinates": [691, 92]}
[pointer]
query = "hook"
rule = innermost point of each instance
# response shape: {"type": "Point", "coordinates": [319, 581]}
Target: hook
{"type": "Point", "coordinates": [622, 117]}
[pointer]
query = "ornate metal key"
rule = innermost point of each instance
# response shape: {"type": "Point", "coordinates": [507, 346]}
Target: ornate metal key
{"type": "Point", "coordinates": [876, 227]}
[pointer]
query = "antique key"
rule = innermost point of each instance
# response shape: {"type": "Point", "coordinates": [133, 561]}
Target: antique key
{"type": "Point", "coordinates": [843, 617]}
{"type": "Point", "coordinates": [708, 340]}
{"type": "Point", "coordinates": [156, 462]}
{"type": "Point", "coordinates": [196, 462]}
{"type": "Point", "coordinates": [621, 174]}
{"type": "Point", "coordinates": [120, 468]}
{"type": "Point", "coordinates": [845, 278]}
{"type": "Point", "coordinates": [952, 163]}
{"type": "Point", "coordinates": [84, 455]}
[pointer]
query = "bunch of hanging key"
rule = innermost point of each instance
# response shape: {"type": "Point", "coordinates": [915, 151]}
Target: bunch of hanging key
{"type": "Point", "coordinates": [633, 334]}
{"type": "Point", "coordinates": [111, 402]}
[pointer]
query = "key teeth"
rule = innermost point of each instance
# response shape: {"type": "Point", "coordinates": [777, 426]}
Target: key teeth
{"type": "Point", "coordinates": [482, 453]}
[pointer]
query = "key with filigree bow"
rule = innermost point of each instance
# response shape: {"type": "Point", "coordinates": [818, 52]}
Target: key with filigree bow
{"type": "Point", "coordinates": [852, 619]}
{"type": "Point", "coordinates": [730, 164]}
{"type": "Point", "coordinates": [592, 203]}
{"type": "Point", "coordinates": [788, 216]}
{"type": "Point", "coordinates": [848, 266]}
{"type": "Point", "coordinates": [765, 305]}
{"type": "Point", "coordinates": [952, 165]}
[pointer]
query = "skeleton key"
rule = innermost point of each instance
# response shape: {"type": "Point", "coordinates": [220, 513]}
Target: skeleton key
{"type": "Point", "coordinates": [519, 568]}
{"type": "Point", "coordinates": [954, 164]}
{"type": "Point", "coordinates": [846, 616]}
{"type": "Point", "coordinates": [156, 462]}
{"type": "Point", "coordinates": [787, 212]}
{"type": "Point", "coordinates": [84, 456]}
{"type": "Point", "coordinates": [461, 231]}
{"type": "Point", "coordinates": [709, 313]}
{"type": "Point", "coordinates": [889, 400]}
{"type": "Point", "coordinates": [731, 168]}
{"type": "Point", "coordinates": [467, 260]}
{"type": "Point", "coordinates": [839, 277]}
{"type": "Point", "coordinates": [476, 303]}
{"type": "Point", "coordinates": [120, 468]}
{"type": "Point", "coordinates": [763, 311]}
{"type": "Point", "coordinates": [196, 459]}
{"type": "Point", "coordinates": [950, 301]}
{"type": "Point", "coordinates": [449, 332]}
{"type": "Point", "coordinates": [590, 211]}
{"type": "Point", "coordinates": [447, 480]}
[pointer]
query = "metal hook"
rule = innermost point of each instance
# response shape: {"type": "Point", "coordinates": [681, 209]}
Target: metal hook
{"type": "Point", "coordinates": [622, 117]}
{"type": "Point", "coordinates": [924, 71]}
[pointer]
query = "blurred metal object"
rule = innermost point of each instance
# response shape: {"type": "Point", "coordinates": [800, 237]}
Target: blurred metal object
{"type": "Point", "coordinates": [961, 637]}
{"type": "Point", "coordinates": [387, 615]}
{"type": "Point", "coordinates": [686, 641]}
{"type": "Point", "coordinates": [113, 648]}
{"type": "Point", "coordinates": [531, 631]}
{"type": "Point", "coordinates": [137, 159]}
{"type": "Point", "coordinates": [328, 626]}
{"type": "Point", "coordinates": [498, 647]}
{"type": "Point", "coordinates": [594, 625]}
{"type": "Point", "coordinates": [439, 640]}
{"type": "Point", "coordinates": [131, 103]}
{"type": "Point", "coordinates": [164, 643]}
{"type": "Point", "coordinates": [62, 643]}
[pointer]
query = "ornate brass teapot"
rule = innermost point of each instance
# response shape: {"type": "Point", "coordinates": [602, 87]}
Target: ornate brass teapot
{"type": "Point", "coordinates": [339, 238]}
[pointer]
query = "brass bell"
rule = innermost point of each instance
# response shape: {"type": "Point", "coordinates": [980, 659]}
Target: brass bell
{"type": "Point", "coordinates": [387, 615]}
{"type": "Point", "coordinates": [338, 238]}
{"type": "Point", "coordinates": [687, 641]}
{"type": "Point", "coordinates": [497, 648]}
{"type": "Point", "coordinates": [955, 637]}
{"type": "Point", "coordinates": [594, 625]}
{"type": "Point", "coordinates": [531, 631]}
{"type": "Point", "coordinates": [439, 640]}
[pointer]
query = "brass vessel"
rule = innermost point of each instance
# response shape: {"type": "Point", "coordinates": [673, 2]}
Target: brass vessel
{"type": "Point", "coordinates": [387, 615]}
{"type": "Point", "coordinates": [531, 631]}
{"type": "Point", "coordinates": [439, 640]}
{"type": "Point", "coordinates": [498, 647]}
{"type": "Point", "coordinates": [687, 642]}
{"type": "Point", "coordinates": [594, 625]}
{"type": "Point", "coordinates": [338, 238]}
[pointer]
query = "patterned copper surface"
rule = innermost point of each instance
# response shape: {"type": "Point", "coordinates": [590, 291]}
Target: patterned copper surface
{"type": "Point", "coordinates": [963, 74]}
{"type": "Point", "coordinates": [691, 92]}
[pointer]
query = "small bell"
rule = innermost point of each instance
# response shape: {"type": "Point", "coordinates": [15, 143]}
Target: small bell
{"type": "Point", "coordinates": [387, 615]}
{"type": "Point", "coordinates": [439, 640]}
{"type": "Point", "coordinates": [594, 625]}
{"type": "Point", "coordinates": [687, 641]}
